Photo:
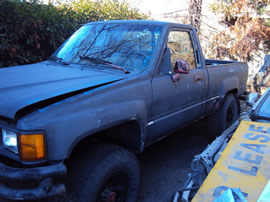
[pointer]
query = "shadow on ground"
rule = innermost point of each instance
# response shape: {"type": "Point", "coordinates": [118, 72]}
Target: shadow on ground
{"type": "Point", "coordinates": [165, 165]}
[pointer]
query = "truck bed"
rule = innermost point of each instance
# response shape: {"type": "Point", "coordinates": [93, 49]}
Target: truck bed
{"type": "Point", "coordinates": [210, 62]}
{"type": "Point", "coordinates": [223, 77]}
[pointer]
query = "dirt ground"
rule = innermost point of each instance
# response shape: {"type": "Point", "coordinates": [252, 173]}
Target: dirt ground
{"type": "Point", "coordinates": [165, 165]}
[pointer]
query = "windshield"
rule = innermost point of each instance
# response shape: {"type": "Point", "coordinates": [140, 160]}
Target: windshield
{"type": "Point", "coordinates": [265, 108]}
{"type": "Point", "coordinates": [130, 46]}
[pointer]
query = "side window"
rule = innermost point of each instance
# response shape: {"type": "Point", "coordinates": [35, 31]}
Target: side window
{"type": "Point", "coordinates": [181, 48]}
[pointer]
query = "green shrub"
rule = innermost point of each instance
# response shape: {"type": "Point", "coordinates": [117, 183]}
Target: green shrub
{"type": "Point", "coordinates": [31, 32]}
{"type": "Point", "coordinates": [104, 9]}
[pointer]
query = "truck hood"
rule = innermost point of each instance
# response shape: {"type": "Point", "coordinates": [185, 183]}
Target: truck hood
{"type": "Point", "coordinates": [22, 86]}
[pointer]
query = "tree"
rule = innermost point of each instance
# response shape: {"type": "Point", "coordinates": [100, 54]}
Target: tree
{"type": "Point", "coordinates": [195, 12]}
{"type": "Point", "coordinates": [248, 28]}
{"type": "Point", "coordinates": [247, 35]}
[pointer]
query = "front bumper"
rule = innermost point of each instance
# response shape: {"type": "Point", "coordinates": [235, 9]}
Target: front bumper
{"type": "Point", "coordinates": [31, 183]}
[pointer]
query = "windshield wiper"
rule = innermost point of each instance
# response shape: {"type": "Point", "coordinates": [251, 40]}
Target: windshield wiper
{"type": "Point", "coordinates": [104, 62]}
{"type": "Point", "coordinates": [54, 58]}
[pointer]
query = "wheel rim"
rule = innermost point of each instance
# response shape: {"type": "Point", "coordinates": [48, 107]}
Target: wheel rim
{"type": "Point", "coordinates": [229, 117]}
{"type": "Point", "coordinates": [115, 189]}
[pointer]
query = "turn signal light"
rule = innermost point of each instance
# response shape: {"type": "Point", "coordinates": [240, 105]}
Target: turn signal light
{"type": "Point", "coordinates": [32, 147]}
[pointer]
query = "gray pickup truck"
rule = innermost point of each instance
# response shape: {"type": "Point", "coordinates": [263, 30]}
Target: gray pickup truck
{"type": "Point", "coordinates": [70, 126]}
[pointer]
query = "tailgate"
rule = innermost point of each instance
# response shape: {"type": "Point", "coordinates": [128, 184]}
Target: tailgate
{"type": "Point", "coordinates": [244, 164]}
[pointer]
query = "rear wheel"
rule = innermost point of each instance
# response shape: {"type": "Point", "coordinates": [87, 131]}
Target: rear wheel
{"type": "Point", "coordinates": [105, 173]}
{"type": "Point", "coordinates": [225, 116]}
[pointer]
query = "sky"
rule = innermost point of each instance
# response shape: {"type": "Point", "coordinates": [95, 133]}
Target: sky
{"type": "Point", "coordinates": [168, 10]}
{"type": "Point", "coordinates": [158, 8]}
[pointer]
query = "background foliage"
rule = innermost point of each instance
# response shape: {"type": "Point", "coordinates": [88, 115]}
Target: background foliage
{"type": "Point", "coordinates": [248, 28]}
{"type": "Point", "coordinates": [31, 32]}
{"type": "Point", "coordinates": [246, 37]}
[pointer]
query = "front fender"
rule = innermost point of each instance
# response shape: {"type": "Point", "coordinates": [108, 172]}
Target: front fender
{"type": "Point", "coordinates": [113, 115]}
{"type": "Point", "coordinates": [65, 130]}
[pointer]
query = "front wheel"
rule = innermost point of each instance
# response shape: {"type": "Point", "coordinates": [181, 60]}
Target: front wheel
{"type": "Point", "coordinates": [105, 173]}
{"type": "Point", "coordinates": [225, 116]}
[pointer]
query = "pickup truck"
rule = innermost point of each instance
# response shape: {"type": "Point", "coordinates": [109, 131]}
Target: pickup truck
{"type": "Point", "coordinates": [71, 125]}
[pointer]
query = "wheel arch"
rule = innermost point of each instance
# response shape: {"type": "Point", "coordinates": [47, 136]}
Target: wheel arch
{"type": "Point", "coordinates": [128, 134]}
{"type": "Point", "coordinates": [229, 85]}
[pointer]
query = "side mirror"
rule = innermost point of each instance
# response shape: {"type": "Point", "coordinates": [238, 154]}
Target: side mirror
{"type": "Point", "coordinates": [252, 98]}
{"type": "Point", "coordinates": [181, 67]}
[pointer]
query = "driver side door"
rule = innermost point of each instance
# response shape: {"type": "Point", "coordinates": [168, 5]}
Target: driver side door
{"type": "Point", "coordinates": [177, 103]}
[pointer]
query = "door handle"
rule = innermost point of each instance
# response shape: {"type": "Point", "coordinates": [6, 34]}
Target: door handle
{"type": "Point", "coordinates": [198, 78]}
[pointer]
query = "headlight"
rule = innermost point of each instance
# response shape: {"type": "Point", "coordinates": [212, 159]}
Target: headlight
{"type": "Point", "coordinates": [30, 147]}
{"type": "Point", "coordinates": [9, 139]}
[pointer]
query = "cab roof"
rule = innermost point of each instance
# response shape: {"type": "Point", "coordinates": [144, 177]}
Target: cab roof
{"type": "Point", "coordinates": [144, 22]}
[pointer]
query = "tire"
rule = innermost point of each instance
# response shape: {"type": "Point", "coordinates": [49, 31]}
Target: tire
{"type": "Point", "coordinates": [103, 173]}
{"type": "Point", "coordinates": [224, 117]}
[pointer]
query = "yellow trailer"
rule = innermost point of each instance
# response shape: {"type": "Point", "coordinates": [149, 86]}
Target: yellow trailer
{"type": "Point", "coordinates": [244, 164]}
